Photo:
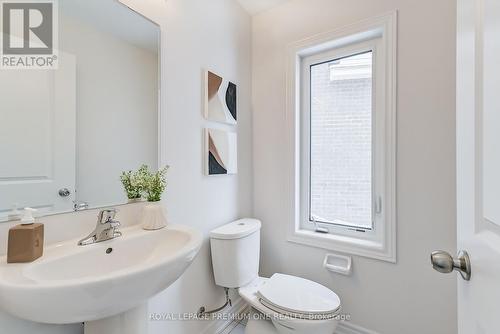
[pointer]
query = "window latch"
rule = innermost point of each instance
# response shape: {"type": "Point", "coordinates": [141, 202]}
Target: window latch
{"type": "Point", "coordinates": [318, 228]}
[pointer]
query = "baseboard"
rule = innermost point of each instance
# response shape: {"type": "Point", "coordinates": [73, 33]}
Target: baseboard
{"type": "Point", "coordinates": [219, 326]}
{"type": "Point", "coordinates": [349, 328]}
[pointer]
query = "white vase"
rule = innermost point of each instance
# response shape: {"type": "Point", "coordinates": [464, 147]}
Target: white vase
{"type": "Point", "coordinates": [153, 216]}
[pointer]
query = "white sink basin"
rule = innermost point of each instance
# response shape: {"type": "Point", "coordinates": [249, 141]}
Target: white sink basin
{"type": "Point", "coordinates": [71, 283]}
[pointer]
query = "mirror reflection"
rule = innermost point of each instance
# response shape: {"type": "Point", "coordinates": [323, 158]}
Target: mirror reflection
{"type": "Point", "coordinates": [68, 133]}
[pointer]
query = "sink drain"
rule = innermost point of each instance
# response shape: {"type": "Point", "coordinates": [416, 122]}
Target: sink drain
{"type": "Point", "coordinates": [109, 250]}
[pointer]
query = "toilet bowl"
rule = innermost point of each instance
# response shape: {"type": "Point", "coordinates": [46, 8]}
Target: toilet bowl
{"type": "Point", "coordinates": [292, 305]}
{"type": "Point", "coordinates": [281, 304]}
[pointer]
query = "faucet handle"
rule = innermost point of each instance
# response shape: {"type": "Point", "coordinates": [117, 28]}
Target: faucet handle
{"type": "Point", "coordinates": [114, 223]}
{"type": "Point", "coordinates": [106, 215]}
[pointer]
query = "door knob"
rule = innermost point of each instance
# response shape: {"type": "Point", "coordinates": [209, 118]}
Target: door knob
{"type": "Point", "coordinates": [444, 263]}
{"type": "Point", "coordinates": [64, 192]}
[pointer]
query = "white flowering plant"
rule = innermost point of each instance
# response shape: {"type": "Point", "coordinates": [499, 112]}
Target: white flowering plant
{"type": "Point", "coordinates": [133, 182]}
{"type": "Point", "coordinates": [144, 182]}
{"type": "Point", "coordinates": [155, 184]}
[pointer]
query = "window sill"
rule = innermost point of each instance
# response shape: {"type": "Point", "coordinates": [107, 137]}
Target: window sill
{"type": "Point", "coordinates": [383, 251]}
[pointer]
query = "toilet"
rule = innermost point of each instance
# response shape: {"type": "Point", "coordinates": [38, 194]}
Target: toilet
{"type": "Point", "coordinates": [281, 304]}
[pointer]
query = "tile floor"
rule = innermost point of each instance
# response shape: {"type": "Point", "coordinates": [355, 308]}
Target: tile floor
{"type": "Point", "coordinates": [236, 327]}
{"type": "Point", "coordinates": [240, 329]}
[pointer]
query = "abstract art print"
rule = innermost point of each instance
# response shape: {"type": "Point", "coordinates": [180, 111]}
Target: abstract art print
{"type": "Point", "coordinates": [220, 99]}
{"type": "Point", "coordinates": [221, 154]}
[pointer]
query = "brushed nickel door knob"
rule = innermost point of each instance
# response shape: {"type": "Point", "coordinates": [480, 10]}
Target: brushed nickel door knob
{"type": "Point", "coordinates": [64, 192]}
{"type": "Point", "coordinates": [444, 263]}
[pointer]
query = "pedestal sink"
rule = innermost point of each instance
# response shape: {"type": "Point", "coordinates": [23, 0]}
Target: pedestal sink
{"type": "Point", "coordinates": [71, 283]}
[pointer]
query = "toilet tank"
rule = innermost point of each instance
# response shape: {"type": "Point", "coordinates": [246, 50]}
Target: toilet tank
{"type": "Point", "coordinates": [235, 252]}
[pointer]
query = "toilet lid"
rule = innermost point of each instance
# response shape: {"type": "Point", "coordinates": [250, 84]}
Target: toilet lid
{"type": "Point", "coordinates": [298, 297]}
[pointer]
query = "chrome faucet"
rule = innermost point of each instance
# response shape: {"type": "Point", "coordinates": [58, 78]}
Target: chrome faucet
{"type": "Point", "coordinates": [106, 228]}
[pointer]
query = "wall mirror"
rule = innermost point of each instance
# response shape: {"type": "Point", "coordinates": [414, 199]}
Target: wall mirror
{"type": "Point", "coordinates": [68, 133]}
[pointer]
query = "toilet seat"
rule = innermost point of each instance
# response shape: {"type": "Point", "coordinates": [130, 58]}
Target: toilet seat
{"type": "Point", "coordinates": [299, 298]}
{"type": "Point", "coordinates": [264, 316]}
{"type": "Point", "coordinates": [252, 295]}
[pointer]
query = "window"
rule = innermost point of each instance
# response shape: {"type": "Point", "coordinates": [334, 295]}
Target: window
{"type": "Point", "coordinates": [342, 113]}
{"type": "Point", "coordinates": [340, 145]}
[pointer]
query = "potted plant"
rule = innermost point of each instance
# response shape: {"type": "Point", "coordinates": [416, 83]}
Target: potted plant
{"type": "Point", "coordinates": [154, 184]}
{"type": "Point", "coordinates": [133, 183]}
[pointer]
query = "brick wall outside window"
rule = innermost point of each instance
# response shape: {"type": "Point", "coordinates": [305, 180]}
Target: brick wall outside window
{"type": "Point", "coordinates": [341, 148]}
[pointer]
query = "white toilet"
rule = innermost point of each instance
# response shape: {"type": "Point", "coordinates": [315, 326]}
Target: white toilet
{"type": "Point", "coordinates": [281, 304]}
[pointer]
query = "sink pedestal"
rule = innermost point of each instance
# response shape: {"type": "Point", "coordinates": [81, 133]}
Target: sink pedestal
{"type": "Point", "coordinates": [134, 321]}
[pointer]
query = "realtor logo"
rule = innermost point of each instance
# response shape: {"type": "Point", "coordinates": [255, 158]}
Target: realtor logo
{"type": "Point", "coordinates": [29, 34]}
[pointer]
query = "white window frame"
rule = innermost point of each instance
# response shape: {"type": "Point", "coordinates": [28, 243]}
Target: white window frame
{"type": "Point", "coordinates": [377, 35]}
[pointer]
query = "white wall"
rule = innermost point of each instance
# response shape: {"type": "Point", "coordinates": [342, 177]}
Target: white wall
{"type": "Point", "coordinates": [197, 34]}
{"type": "Point", "coordinates": [407, 297]}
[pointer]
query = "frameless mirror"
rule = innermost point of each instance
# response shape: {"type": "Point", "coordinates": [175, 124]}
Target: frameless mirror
{"type": "Point", "coordinates": [66, 134]}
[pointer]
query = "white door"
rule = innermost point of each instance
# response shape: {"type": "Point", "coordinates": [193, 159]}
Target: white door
{"type": "Point", "coordinates": [37, 137]}
{"type": "Point", "coordinates": [478, 160]}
